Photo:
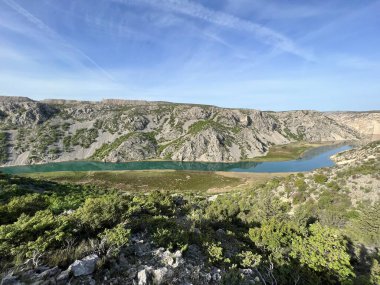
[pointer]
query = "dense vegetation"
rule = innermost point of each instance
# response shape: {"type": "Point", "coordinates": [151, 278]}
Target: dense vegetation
{"type": "Point", "coordinates": [3, 147]}
{"type": "Point", "coordinates": [294, 240]}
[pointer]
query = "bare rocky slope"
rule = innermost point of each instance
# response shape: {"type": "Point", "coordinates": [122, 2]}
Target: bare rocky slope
{"type": "Point", "coordinates": [366, 123]}
{"type": "Point", "coordinates": [124, 130]}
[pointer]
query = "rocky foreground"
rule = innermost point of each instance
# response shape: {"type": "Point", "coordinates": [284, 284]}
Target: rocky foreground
{"type": "Point", "coordinates": [123, 130]}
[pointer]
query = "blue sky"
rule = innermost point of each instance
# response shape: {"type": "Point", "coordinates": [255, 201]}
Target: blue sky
{"type": "Point", "coordinates": [262, 54]}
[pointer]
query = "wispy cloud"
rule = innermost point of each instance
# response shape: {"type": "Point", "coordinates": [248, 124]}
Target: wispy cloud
{"type": "Point", "coordinates": [356, 62]}
{"type": "Point", "coordinates": [195, 10]}
{"type": "Point", "coordinates": [50, 33]}
{"type": "Point", "coordinates": [292, 10]}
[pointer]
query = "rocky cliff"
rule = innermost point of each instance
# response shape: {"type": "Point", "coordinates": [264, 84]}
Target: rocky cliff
{"type": "Point", "coordinates": [367, 124]}
{"type": "Point", "coordinates": [124, 130]}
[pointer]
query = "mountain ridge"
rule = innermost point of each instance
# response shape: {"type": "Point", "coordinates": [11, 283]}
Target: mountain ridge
{"type": "Point", "coordinates": [116, 130]}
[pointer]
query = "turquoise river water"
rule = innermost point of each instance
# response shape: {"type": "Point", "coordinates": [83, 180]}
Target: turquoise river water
{"type": "Point", "coordinates": [315, 158]}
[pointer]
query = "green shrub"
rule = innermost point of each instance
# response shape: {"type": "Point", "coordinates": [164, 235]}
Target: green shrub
{"type": "Point", "coordinates": [300, 184]}
{"type": "Point", "coordinates": [273, 235]}
{"type": "Point", "coordinates": [28, 205]}
{"type": "Point", "coordinates": [320, 178]}
{"type": "Point", "coordinates": [365, 229]}
{"type": "Point", "coordinates": [215, 253]}
{"type": "Point", "coordinates": [323, 250]}
{"type": "Point", "coordinates": [3, 147]}
{"type": "Point", "coordinates": [333, 185]}
{"type": "Point", "coordinates": [171, 237]}
{"type": "Point", "coordinates": [101, 212]}
{"type": "Point", "coordinates": [222, 209]}
{"type": "Point", "coordinates": [232, 277]}
{"type": "Point", "coordinates": [106, 148]}
{"type": "Point", "coordinates": [375, 272]}
{"type": "Point", "coordinates": [299, 197]}
{"type": "Point", "coordinates": [116, 237]}
{"type": "Point", "coordinates": [249, 259]}
{"type": "Point", "coordinates": [85, 137]}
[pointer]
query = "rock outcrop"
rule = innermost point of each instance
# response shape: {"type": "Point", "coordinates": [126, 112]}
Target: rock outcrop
{"type": "Point", "coordinates": [85, 266]}
{"type": "Point", "coordinates": [19, 112]}
{"type": "Point", "coordinates": [367, 124]}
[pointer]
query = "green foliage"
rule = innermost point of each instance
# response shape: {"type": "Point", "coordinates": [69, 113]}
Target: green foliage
{"type": "Point", "coordinates": [47, 135]}
{"type": "Point", "coordinates": [299, 197]}
{"type": "Point", "coordinates": [27, 204]}
{"type": "Point", "coordinates": [320, 178]}
{"type": "Point", "coordinates": [215, 253]}
{"type": "Point", "coordinates": [66, 126]}
{"type": "Point", "coordinates": [323, 250]}
{"type": "Point", "coordinates": [299, 136]}
{"type": "Point", "coordinates": [106, 148]}
{"type": "Point", "coordinates": [171, 237]}
{"type": "Point", "coordinates": [333, 185]}
{"type": "Point", "coordinates": [274, 237]}
{"type": "Point", "coordinates": [247, 229]}
{"type": "Point", "coordinates": [366, 228]}
{"type": "Point", "coordinates": [249, 259]}
{"type": "Point", "coordinates": [262, 205]}
{"type": "Point", "coordinates": [375, 272]}
{"type": "Point", "coordinates": [333, 208]}
{"type": "Point", "coordinates": [232, 277]}
{"type": "Point", "coordinates": [32, 233]}
{"type": "Point", "coordinates": [203, 125]}
{"type": "Point", "coordinates": [67, 143]}
{"type": "Point", "coordinates": [300, 184]}
{"type": "Point", "coordinates": [116, 237]}
{"type": "Point", "coordinates": [222, 209]}
{"type": "Point", "coordinates": [85, 137]}
{"type": "Point", "coordinates": [365, 168]}
{"type": "Point", "coordinates": [101, 212]}
{"type": "Point", "coordinates": [176, 144]}
{"type": "Point", "coordinates": [3, 147]}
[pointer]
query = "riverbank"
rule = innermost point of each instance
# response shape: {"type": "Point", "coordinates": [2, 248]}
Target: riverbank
{"type": "Point", "coordinates": [162, 180]}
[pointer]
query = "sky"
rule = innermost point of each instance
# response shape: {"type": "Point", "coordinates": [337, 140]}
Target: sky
{"type": "Point", "coordinates": [260, 54]}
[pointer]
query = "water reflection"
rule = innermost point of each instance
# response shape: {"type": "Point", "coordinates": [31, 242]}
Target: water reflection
{"type": "Point", "coordinates": [315, 158]}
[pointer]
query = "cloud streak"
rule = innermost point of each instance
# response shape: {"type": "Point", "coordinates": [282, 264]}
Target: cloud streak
{"type": "Point", "coordinates": [194, 10]}
{"type": "Point", "coordinates": [55, 36]}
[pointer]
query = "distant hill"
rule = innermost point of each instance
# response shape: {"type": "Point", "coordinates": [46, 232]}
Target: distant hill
{"type": "Point", "coordinates": [125, 130]}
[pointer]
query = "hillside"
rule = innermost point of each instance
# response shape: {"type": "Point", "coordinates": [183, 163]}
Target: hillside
{"type": "Point", "coordinates": [124, 130]}
{"type": "Point", "coordinates": [366, 123]}
{"type": "Point", "coordinates": [311, 228]}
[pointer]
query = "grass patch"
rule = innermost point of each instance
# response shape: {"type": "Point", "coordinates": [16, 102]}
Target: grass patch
{"type": "Point", "coordinates": [202, 125]}
{"type": "Point", "coordinates": [173, 181]}
{"type": "Point", "coordinates": [162, 180]}
{"type": "Point", "coordinates": [287, 152]}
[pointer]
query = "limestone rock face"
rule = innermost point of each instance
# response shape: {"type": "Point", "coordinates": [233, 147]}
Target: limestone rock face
{"type": "Point", "coordinates": [363, 154]}
{"type": "Point", "coordinates": [137, 147]}
{"type": "Point", "coordinates": [367, 124]}
{"type": "Point", "coordinates": [86, 266]}
{"type": "Point", "coordinates": [209, 145]}
{"type": "Point", "coordinates": [314, 126]}
{"type": "Point", "coordinates": [24, 112]}
{"type": "Point", "coordinates": [144, 277]}
{"type": "Point", "coordinates": [128, 130]}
